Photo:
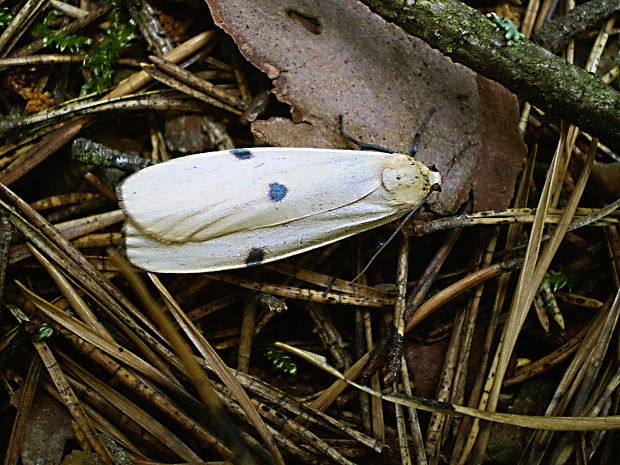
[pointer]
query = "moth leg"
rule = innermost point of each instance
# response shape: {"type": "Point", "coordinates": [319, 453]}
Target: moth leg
{"type": "Point", "coordinates": [388, 351]}
{"type": "Point", "coordinates": [361, 145]}
{"type": "Point", "coordinates": [418, 135]}
{"type": "Point", "coordinates": [379, 354]}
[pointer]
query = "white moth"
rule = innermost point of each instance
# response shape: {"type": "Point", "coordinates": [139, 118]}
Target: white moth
{"type": "Point", "coordinates": [236, 208]}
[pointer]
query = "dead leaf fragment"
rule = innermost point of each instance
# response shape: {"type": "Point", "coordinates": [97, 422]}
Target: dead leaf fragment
{"type": "Point", "coordinates": [332, 57]}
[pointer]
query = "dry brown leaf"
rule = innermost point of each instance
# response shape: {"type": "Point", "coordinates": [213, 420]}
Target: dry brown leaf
{"type": "Point", "coordinates": [604, 183]}
{"type": "Point", "coordinates": [47, 431]}
{"type": "Point", "coordinates": [334, 57]}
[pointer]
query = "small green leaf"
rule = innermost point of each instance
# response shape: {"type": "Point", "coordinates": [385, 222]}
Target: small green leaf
{"type": "Point", "coordinates": [45, 331]}
{"type": "Point", "coordinates": [555, 280]}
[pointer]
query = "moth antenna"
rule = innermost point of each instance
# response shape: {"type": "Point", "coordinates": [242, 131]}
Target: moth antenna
{"type": "Point", "coordinates": [396, 231]}
{"type": "Point", "coordinates": [360, 144]}
{"type": "Point", "coordinates": [418, 135]}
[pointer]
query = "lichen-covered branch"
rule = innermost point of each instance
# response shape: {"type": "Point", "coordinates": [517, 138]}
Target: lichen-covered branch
{"type": "Point", "coordinates": [558, 32]}
{"type": "Point", "coordinates": [543, 79]}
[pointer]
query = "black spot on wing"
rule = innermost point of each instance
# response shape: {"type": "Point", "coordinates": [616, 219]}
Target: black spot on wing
{"type": "Point", "coordinates": [277, 191]}
{"type": "Point", "coordinates": [242, 154]}
{"type": "Point", "coordinates": [255, 256]}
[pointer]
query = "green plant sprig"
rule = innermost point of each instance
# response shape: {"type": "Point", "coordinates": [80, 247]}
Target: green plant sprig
{"type": "Point", "coordinates": [281, 360]}
{"type": "Point", "coordinates": [100, 60]}
{"type": "Point", "coordinates": [62, 40]}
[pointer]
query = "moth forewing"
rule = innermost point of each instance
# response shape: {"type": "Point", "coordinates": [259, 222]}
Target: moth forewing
{"type": "Point", "coordinates": [237, 208]}
{"type": "Point", "coordinates": [208, 195]}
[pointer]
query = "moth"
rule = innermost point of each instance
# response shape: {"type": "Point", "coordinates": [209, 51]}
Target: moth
{"type": "Point", "coordinates": [242, 207]}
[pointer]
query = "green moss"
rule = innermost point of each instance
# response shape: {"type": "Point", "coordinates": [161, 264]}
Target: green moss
{"type": "Point", "coordinates": [5, 17]}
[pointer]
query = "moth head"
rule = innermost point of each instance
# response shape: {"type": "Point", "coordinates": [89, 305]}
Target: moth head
{"type": "Point", "coordinates": [434, 178]}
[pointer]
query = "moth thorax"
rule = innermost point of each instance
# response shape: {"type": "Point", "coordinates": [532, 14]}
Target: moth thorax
{"type": "Point", "coordinates": [398, 180]}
